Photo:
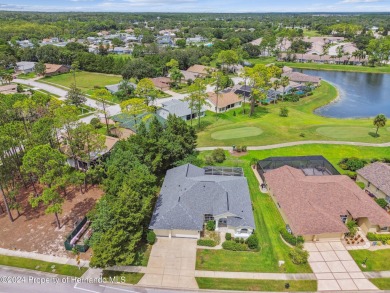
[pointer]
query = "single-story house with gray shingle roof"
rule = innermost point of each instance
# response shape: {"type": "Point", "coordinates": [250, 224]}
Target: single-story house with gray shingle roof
{"type": "Point", "coordinates": [376, 178]}
{"type": "Point", "coordinates": [25, 67]}
{"type": "Point", "coordinates": [114, 88]}
{"type": "Point", "coordinates": [130, 122]}
{"type": "Point", "coordinates": [190, 197]}
{"type": "Point", "coordinates": [180, 109]}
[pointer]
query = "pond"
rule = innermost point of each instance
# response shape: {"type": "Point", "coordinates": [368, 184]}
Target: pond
{"type": "Point", "coordinates": [360, 94]}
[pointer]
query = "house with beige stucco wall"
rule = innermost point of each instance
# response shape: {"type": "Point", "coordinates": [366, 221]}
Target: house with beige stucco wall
{"type": "Point", "coordinates": [376, 178]}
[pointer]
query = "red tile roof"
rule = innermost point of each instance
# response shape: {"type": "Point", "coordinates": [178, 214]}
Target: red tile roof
{"type": "Point", "coordinates": [313, 204]}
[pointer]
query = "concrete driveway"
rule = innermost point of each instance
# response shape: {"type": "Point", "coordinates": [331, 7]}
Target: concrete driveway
{"type": "Point", "coordinates": [171, 264]}
{"type": "Point", "coordinates": [335, 269]}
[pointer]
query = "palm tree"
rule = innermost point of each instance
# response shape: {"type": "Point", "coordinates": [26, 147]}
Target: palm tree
{"type": "Point", "coordinates": [284, 82]}
{"type": "Point", "coordinates": [340, 52]}
{"type": "Point", "coordinates": [275, 85]}
{"type": "Point", "coordinates": [379, 121]}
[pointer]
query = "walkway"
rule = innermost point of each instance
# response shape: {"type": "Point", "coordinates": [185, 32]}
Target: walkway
{"type": "Point", "coordinates": [43, 257]}
{"type": "Point", "coordinates": [294, 143]}
{"type": "Point", "coordinates": [171, 264]}
{"type": "Point", "coordinates": [335, 269]}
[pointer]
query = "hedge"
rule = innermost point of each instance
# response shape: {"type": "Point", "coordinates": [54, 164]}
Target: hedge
{"type": "Point", "coordinates": [207, 242]}
{"type": "Point", "coordinates": [378, 237]}
{"type": "Point", "coordinates": [291, 239]}
{"type": "Point", "coordinates": [232, 245]}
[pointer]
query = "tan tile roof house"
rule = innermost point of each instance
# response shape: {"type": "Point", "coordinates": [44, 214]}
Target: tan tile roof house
{"type": "Point", "coordinates": [302, 78]}
{"type": "Point", "coordinates": [200, 69]}
{"type": "Point", "coordinates": [53, 69]}
{"type": "Point", "coordinates": [162, 83]}
{"type": "Point", "coordinates": [226, 101]}
{"type": "Point", "coordinates": [376, 177]}
{"type": "Point", "coordinates": [313, 206]}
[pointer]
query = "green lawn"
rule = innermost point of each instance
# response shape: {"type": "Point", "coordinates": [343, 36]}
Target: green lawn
{"type": "Point", "coordinates": [27, 75]}
{"type": "Point", "coordinates": [236, 133]}
{"type": "Point", "coordinates": [376, 260]}
{"type": "Point", "coordinates": [382, 284]}
{"type": "Point", "coordinates": [311, 33]}
{"type": "Point", "coordinates": [268, 222]}
{"type": "Point", "coordinates": [122, 277]}
{"type": "Point", "coordinates": [267, 217]}
{"type": "Point", "coordinates": [302, 124]}
{"type": "Point", "coordinates": [86, 81]}
{"type": "Point", "coordinates": [43, 266]}
{"type": "Point", "coordinates": [256, 285]}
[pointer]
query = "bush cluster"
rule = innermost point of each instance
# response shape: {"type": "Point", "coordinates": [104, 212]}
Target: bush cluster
{"type": "Point", "coordinates": [151, 237]}
{"type": "Point", "coordinates": [291, 239]}
{"type": "Point", "coordinates": [352, 164]}
{"type": "Point", "coordinates": [228, 236]}
{"type": "Point", "coordinates": [232, 245]}
{"type": "Point", "coordinates": [378, 237]}
{"type": "Point", "coordinates": [207, 242]}
{"type": "Point", "coordinates": [210, 225]}
{"type": "Point", "coordinates": [298, 256]}
{"type": "Point", "coordinates": [95, 122]}
{"type": "Point", "coordinates": [218, 155]}
{"type": "Point", "coordinates": [253, 242]}
{"type": "Point", "coordinates": [291, 98]}
{"type": "Point", "coordinates": [283, 112]}
{"type": "Point", "coordinates": [382, 202]}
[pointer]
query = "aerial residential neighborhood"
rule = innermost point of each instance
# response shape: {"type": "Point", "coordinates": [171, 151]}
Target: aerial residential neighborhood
{"type": "Point", "coordinates": [194, 146]}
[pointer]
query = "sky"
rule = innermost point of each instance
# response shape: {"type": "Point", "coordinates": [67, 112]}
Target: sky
{"type": "Point", "coordinates": [198, 5]}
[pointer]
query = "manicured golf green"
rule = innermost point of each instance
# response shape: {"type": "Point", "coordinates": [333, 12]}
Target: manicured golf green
{"type": "Point", "coordinates": [300, 125]}
{"type": "Point", "coordinates": [237, 133]}
{"type": "Point", "coordinates": [344, 132]}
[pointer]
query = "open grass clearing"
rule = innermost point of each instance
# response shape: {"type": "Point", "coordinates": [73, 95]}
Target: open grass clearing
{"type": "Point", "coordinates": [121, 277]}
{"type": "Point", "coordinates": [301, 124]}
{"type": "Point", "coordinates": [345, 132]}
{"type": "Point", "coordinates": [267, 217]}
{"type": "Point", "coordinates": [84, 80]}
{"type": "Point", "coordinates": [382, 284]}
{"type": "Point", "coordinates": [42, 266]}
{"type": "Point", "coordinates": [236, 133]}
{"type": "Point", "coordinates": [377, 260]}
{"type": "Point", "coordinates": [256, 285]}
{"type": "Point", "coordinates": [311, 33]}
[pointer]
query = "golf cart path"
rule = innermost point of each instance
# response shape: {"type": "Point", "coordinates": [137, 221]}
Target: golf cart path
{"type": "Point", "coordinates": [295, 143]}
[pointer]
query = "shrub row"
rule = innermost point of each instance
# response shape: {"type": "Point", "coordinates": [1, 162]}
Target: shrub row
{"type": "Point", "coordinates": [289, 238]}
{"type": "Point", "coordinates": [207, 242]}
{"type": "Point", "coordinates": [232, 245]}
{"type": "Point", "coordinates": [378, 237]}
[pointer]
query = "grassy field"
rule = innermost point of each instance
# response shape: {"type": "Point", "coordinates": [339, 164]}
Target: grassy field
{"type": "Point", "coordinates": [122, 277]}
{"type": "Point", "coordinates": [301, 124]}
{"type": "Point", "coordinates": [256, 285]}
{"type": "Point", "coordinates": [267, 217]}
{"type": "Point", "coordinates": [382, 284]}
{"type": "Point", "coordinates": [86, 81]}
{"type": "Point", "coordinates": [311, 33]}
{"type": "Point", "coordinates": [376, 260]}
{"type": "Point", "coordinates": [42, 266]}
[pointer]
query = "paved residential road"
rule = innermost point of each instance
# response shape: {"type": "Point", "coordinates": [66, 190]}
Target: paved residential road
{"type": "Point", "coordinates": [112, 110]}
{"type": "Point", "coordinates": [29, 281]}
{"type": "Point", "coordinates": [294, 143]}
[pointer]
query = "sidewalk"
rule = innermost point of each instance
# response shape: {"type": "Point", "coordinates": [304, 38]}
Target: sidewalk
{"type": "Point", "coordinates": [43, 257]}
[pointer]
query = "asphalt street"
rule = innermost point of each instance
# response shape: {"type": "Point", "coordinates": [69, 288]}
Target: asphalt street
{"type": "Point", "coordinates": [13, 280]}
